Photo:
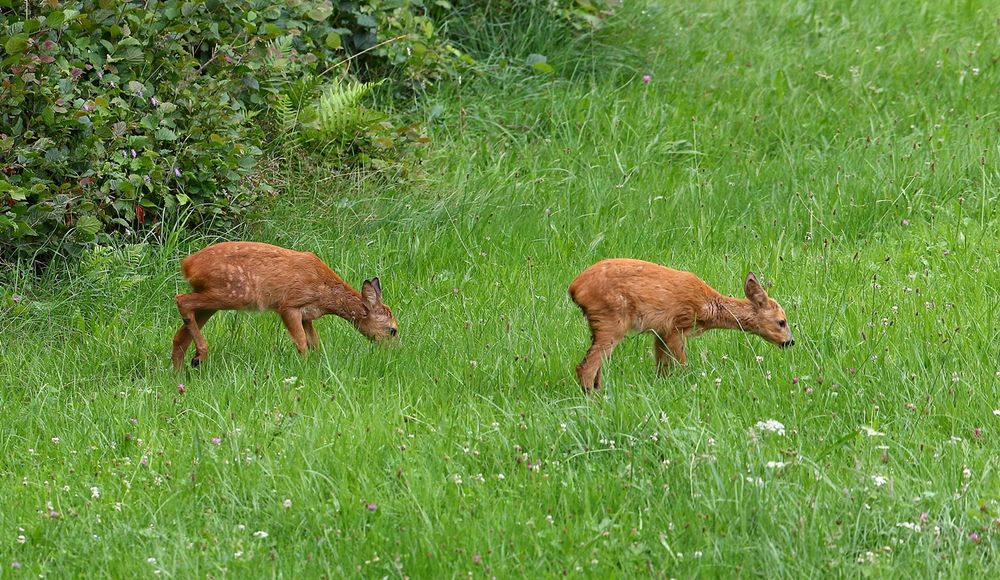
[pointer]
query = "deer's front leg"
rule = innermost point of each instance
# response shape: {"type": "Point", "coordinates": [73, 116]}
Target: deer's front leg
{"type": "Point", "coordinates": [292, 317]}
{"type": "Point", "coordinates": [312, 338]}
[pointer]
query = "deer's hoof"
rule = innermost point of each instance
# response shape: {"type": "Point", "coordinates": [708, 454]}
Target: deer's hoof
{"type": "Point", "coordinates": [195, 362]}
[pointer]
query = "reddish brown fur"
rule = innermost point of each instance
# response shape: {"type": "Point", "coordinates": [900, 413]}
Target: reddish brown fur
{"type": "Point", "coordinates": [255, 276]}
{"type": "Point", "coordinates": [620, 295]}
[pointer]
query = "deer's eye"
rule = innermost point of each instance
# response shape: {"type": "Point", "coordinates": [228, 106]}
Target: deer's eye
{"type": "Point", "coordinates": [781, 323]}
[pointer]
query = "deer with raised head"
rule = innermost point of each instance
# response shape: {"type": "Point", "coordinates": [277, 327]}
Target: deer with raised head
{"type": "Point", "coordinates": [619, 295]}
{"type": "Point", "coordinates": [256, 276]}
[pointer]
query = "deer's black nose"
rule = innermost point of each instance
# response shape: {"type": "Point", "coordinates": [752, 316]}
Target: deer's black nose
{"type": "Point", "coordinates": [392, 332]}
{"type": "Point", "coordinates": [788, 343]}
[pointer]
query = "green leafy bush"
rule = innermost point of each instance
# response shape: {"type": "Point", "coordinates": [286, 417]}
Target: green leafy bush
{"type": "Point", "coordinates": [115, 115]}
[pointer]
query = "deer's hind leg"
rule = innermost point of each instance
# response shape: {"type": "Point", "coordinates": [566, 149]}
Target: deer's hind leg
{"type": "Point", "coordinates": [605, 336]}
{"type": "Point", "coordinates": [190, 305]}
{"type": "Point", "coordinates": [183, 338]}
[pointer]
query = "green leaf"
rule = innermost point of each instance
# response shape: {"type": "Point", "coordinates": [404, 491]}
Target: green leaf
{"type": "Point", "coordinates": [55, 19]}
{"type": "Point", "coordinates": [16, 44]}
{"type": "Point", "coordinates": [87, 227]}
{"type": "Point", "coordinates": [182, 199]}
{"type": "Point", "coordinates": [540, 63]}
{"type": "Point", "coordinates": [164, 134]}
{"type": "Point", "coordinates": [334, 41]}
{"type": "Point", "coordinates": [535, 58]}
{"type": "Point", "coordinates": [321, 12]}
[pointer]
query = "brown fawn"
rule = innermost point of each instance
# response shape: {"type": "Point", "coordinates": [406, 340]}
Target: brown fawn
{"type": "Point", "coordinates": [256, 276]}
{"type": "Point", "coordinates": [619, 295]}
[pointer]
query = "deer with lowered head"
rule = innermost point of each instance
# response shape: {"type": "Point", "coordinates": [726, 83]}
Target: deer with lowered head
{"type": "Point", "coordinates": [256, 276]}
{"type": "Point", "coordinates": [619, 295]}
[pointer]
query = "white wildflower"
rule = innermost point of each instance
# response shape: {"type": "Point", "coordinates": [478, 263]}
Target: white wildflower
{"type": "Point", "coordinates": [95, 492]}
{"type": "Point", "coordinates": [260, 534]}
{"type": "Point", "coordinates": [771, 425]}
{"type": "Point", "coordinates": [290, 380]}
{"type": "Point", "coordinates": [871, 432]}
{"type": "Point", "coordinates": [775, 464]}
{"type": "Point", "coordinates": [879, 480]}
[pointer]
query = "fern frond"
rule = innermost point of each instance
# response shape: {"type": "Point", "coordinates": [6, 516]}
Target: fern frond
{"type": "Point", "coordinates": [277, 56]}
{"type": "Point", "coordinates": [338, 111]}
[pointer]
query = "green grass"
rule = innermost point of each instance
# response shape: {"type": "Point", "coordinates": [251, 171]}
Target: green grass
{"type": "Point", "coordinates": [847, 152]}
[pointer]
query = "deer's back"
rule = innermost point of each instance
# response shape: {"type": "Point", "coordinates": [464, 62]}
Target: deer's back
{"type": "Point", "coordinates": [639, 292]}
{"type": "Point", "coordinates": [253, 274]}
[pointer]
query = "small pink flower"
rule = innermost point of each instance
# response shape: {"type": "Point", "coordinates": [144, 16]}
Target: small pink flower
{"type": "Point", "coordinates": [54, 514]}
{"type": "Point", "coordinates": [477, 559]}
{"type": "Point", "coordinates": [371, 506]}
{"type": "Point", "coordinates": [795, 380]}
{"type": "Point", "coordinates": [809, 390]}
{"type": "Point", "coordinates": [177, 172]}
{"type": "Point", "coordinates": [924, 516]}
{"type": "Point", "coordinates": [974, 538]}
{"type": "Point", "coordinates": [978, 431]}
{"type": "Point", "coordinates": [646, 78]}
{"type": "Point", "coordinates": [154, 102]}
{"type": "Point", "coordinates": [17, 299]}
{"type": "Point", "coordinates": [181, 388]}
{"type": "Point", "coordinates": [216, 440]}
{"type": "Point", "coordinates": [77, 72]}
{"type": "Point", "coordinates": [134, 154]}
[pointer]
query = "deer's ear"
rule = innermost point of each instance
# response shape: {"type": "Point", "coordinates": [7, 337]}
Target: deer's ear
{"type": "Point", "coordinates": [754, 291]}
{"type": "Point", "coordinates": [378, 287]}
{"type": "Point", "coordinates": [369, 295]}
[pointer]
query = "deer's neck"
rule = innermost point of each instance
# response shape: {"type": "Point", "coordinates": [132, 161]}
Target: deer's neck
{"type": "Point", "coordinates": [726, 312]}
{"type": "Point", "coordinates": [344, 301]}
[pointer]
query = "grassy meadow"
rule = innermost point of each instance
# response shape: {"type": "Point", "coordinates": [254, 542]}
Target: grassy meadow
{"type": "Point", "coordinates": [846, 152]}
